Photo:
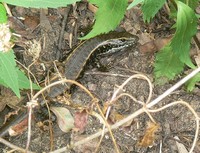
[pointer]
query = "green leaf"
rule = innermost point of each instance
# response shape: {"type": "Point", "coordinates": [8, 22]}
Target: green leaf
{"type": "Point", "coordinates": [191, 83]}
{"type": "Point", "coordinates": [24, 82]}
{"type": "Point", "coordinates": [8, 71]}
{"type": "Point", "coordinates": [186, 27]}
{"type": "Point", "coordinates": [108, 16]}
{"type": "Point", "coordinates": [167, 64]}
{"type": "Point", "coordinates": [3, 83]}
{"type": "Point", "coordinates": [40, 3]}
{"type": "Point", "coordinates": [3, 16]}
{"type": "Point", "coordinates": [150, 8]}
{"type": "Point", "coordinates": [134, 3]}
{"type": "Point", "coordinates": [191, 3]}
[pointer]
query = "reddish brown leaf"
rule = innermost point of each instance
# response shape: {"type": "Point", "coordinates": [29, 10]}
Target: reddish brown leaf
{"type": "Point", "coordinates": [81, 120]}
{"type": "Point", "coordinates": [18, 128]}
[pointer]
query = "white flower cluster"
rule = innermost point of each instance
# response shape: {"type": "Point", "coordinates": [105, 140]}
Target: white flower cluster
{"type": "Point", "coordinates": [5, 35]}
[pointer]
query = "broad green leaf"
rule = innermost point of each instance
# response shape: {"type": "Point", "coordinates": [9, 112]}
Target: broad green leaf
{"type": "Point", "coordinates": [191, 3]}
{"type": "Point", "coordinates": [40, 3]}
{"type": "Point", "coordinates": [8, 71]}
{"type": "Point", "coordinates": [64, 118]}
{"type": "Point", "coordinates": [3, 83]}
{"type": "Point", "coordinates": [186, 27]}
{"type": "Point", "coordinates": [150, 8]}
{"type": "Point", "coordinates": [191, 83]}
{"type": "Point", "coordinates": [24, 82]}
{"type": "Point", "coordinates": [134, 3]}
{"type": "Point", "coordinates": [108, 16]}
{"type": "Point", "coordinates": [167, 64]}
{"type": "Point", "coordinates": [3, 16]}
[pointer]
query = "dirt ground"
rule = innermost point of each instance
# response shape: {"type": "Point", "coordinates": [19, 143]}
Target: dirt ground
{"type": "Point", "coordinates": [43, 46]}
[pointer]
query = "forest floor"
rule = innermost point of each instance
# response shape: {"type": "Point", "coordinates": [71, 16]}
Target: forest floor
{"type": "Point", "coordinates": [42, 48]}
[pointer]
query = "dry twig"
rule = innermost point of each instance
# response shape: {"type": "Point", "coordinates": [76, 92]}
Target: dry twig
{"type": "Point", "coordinates": [142, 110]}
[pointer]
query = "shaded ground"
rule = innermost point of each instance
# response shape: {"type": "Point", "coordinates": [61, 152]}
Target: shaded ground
{"type": "Point", "coordinates": [174, 121]}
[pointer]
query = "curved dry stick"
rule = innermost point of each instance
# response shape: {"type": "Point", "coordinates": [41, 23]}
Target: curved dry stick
{"type": "Point", "coordinates": [193, 112]}
{"type": "Point", "coordinates": [82, 87]}
{"type": "Point", "coordinates": [139, 76]}
{"type": "Point", "coordinates": [103, 120]}
{"type": "Point", "coordinates": [174, 87]}
{"type": "Point", "coordinates": [135, 114]}
{"type": "Point", "coordinates": [115, 95]}
{"type": "Point", "coordinates": [139, 102]}
{"type": "Point", "coordinates": [109, 129]}
{"type": "Point", "coordinates": [125, 82]}
{"type": "Point", "coordinates": [128, 95]}
{"type": "Point", "coordinates": [60, 82]}
{"type": "Point", "coordinates": [29, 72]}
{"type": "Point", "coordinates": [33, 101]}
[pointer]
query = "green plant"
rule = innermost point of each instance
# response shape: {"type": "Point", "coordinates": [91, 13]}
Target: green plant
{"type": "Point", "coordinates": [170, 61]}
{"type": "Point", "coordinates": [10, 76]}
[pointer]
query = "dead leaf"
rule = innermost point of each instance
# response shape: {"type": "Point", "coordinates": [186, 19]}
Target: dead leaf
{"type": "Point", "coordinates": [18, 128]}
{"type": "Point", "coordinates": [9, 98]}
{"type": "Point", "coordinates": [115, 117]}
{"type": "Point", "coordinates": [64, 118]}
{"type": "Point", "coordinates": [8, 116]}
{"type": "Point", "coordinates": [160, 43]}
{"type": "Point", "coordinates": [80, 120]}
{"type": "Point", "coordinates": [20, 29]}
{"type": "Point", "coordinates": [149, 136]}
{"type": "Point", "coordinates": [31, 22]}
{"type": "Point", "coordinates": [148, 47]}
{"type": "Point", "coordinates": [154, 45]}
